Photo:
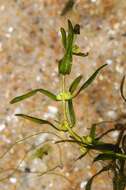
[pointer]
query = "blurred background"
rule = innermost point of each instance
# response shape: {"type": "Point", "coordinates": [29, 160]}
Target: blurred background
{"type": "Point", "coordinates": [30, 47]}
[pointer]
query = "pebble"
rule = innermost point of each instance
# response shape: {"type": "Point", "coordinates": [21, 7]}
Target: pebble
{"type": "Point", "coordinates": [83, 184]}
{"type": "Point", "coordinates": [115, 134]}
{"type": "Point", "coordinates": [41, 138]}
{"type": "Point", "coordinates": [13, 180]}
{"type": "Point", "coordinates": [109, 61]}
{"type": "Point", "coordinates": [2, 126]}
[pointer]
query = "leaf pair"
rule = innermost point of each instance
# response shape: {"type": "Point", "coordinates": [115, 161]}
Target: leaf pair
{"type": "Point", "coordinates": [71, 111]}
{"type": "Point", "coordinates": [90, 80]}
{"type": "Point", "coordinates": [74, 85]}
{"type": "Point", "coordinates": [32, 93]}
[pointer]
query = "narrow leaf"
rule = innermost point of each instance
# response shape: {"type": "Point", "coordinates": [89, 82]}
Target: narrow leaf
{"type": "Point", "coordinates": [65, 64]}
{"type": "Point", "coordinates": [63, 33]}
{"type": "Point", "coordinates": [36, 120]}
{"type": "Point", "coordinates": [32, 93]}
{"type": "Point", "coordinates": [88, 185]}
{"type": "Point", "coordinates": [71, 112]}
{"type": "Point", "coordinates": [108, 155]}
{"type": "Point", "coordinates": [122, 88]}
{"type": "Point", "coordinates": [70, 27]}
{"type": "Point", "coordinates": [104, 147]}
{"type": "Point", "coordinates": [93, 131]}
{"type": "Point", "coordinates": [75, 84]}
{"type": "Point", "coordinates": [104, 157]}
{"type": "Point", "coordinates": [77, 29]}
{"type": "Point", "coordinates": [70, 37]}
{"type": "Point", "coordinates": [81, 54]}
{"type": "Point", "coordinates": [90, 79]}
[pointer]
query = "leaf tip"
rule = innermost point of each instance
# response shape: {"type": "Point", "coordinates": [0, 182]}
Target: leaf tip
{"type": "Point", "coordinates": [12, 101]}
{"type": "Point", "coordinates": [18, 114]}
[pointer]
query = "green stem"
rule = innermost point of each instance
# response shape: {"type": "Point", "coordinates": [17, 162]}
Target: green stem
{"type": "Point", "coordinates": [63, 101]}
{"type": "Point", "coordinates": [65, 117]}
{"type": "Point", "coordinates": [74, 135]}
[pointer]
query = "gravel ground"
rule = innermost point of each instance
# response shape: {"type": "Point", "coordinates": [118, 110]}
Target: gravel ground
{"type": "Point", "coordinates": [30, 46]}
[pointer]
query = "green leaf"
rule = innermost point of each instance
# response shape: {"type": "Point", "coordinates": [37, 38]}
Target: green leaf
{"type": "Point", "coordinates": [104, 157]}
{"type": "Point", "coordinates": [70, 37]}
{"type": "Point", "coordinates": [36, 120]}
{"type": "Point", "coordinates": [122, 88]}
{"type": "Point", "coordinates": [90, 181]}
{"type": "Point", "coordinates": [71, 112]}
{"type": "Point", "coordinates": [65, 64]}
{"type": "Point", "coordinates": [90, 79]}
{"type": "Point", "coordinates": [75, 84]}
{"type": "Point", "coordinates": [64, 40]}
{"type": "Point", "coordinates": [108, 155]}
{"type": "Point", "coordinates": [76, 29]}
{"type": "Point", "coordinates": [104, 147]}
{"type": "Point", "coordinates": [70, 28]}
{"type": "Point", "coordinates": [32, 93]}
{"type": "Point", "coordinates": [93, 131]}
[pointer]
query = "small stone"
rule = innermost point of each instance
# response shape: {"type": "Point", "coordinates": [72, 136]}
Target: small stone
{"type": "Point", "coordinates": [93, 1]}
{"type": "Point", "coordinates": [10, 29]}
{"type": "Point", "coordinates": [115, 134]}
{"type": "Point", "coordinates": [8, 35]}
{"type": "Point", "coordinates": [13, 180]}
{"type": "Point", "coordinates": [76, 169]}
{"type": "Point", "coordinates": [67, 174]}
{"type": "Point", "coordinates": [2, 126]}
{"type": "Point", "coordinates": [52, 109]}
{"type": "Point", "coordinates": [1, 47]}
{"type": "Point", "coordinates": [111, 114]}
{"type": "Point", "coordinates": [38, 78]}
{"type": "Point", "coordinates": [2, 7]}
{"type": "Point", "coordinates": [109, 61]}
{"type": "Point", "coordinates": [41, 138]}
{"type": "Point", "coordinates": [83, 184]}
{"type": "Point", "coordinates": [51, 185]}
{"type": "Point", "coordinates": [119, 69]}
